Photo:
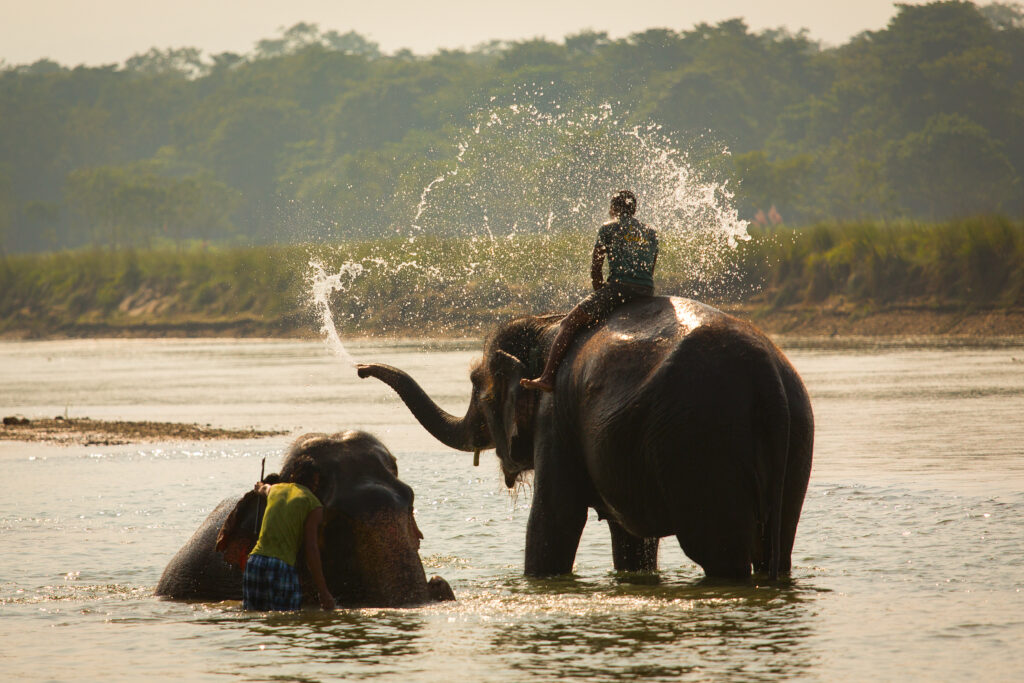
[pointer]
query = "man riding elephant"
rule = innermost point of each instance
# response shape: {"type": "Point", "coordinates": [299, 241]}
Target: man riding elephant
{"type": "Point", "coordinates": [632, 251]}
{"type": "Point", "coordinates": [665, 415]}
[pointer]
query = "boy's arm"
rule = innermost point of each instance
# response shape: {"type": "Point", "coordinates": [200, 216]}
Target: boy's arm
{"type": "Point", "coordinates": [597, 266]}
{"type": "Point", "coordinates": [313, 520]}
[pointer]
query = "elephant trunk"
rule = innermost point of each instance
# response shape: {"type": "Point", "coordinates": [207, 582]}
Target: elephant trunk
{"type": "Point", "coordinates": [388, 561]}
{"type": "Point", "coordinates": [468, 433]}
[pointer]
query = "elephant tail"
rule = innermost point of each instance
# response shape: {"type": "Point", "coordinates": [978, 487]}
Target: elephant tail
{"type": "Point", "coordinates": [776, 422]}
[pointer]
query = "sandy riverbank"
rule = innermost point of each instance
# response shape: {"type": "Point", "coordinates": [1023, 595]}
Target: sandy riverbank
{"type": "Point", "coordinates": [87, 432]}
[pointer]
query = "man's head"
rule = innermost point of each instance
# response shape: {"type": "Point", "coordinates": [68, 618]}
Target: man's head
{"type": "Point", "coordinates": [623, 204]}
{"type": "Point", "coordinates": [306, 472]}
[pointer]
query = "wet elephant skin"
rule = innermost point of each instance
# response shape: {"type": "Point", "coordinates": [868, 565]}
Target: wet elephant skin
{"type": "Point", "coordinates": [671, 418]}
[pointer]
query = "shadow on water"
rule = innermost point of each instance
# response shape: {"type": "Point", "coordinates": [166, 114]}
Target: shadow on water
{"type": "Point", "coordinates": [636, 626]}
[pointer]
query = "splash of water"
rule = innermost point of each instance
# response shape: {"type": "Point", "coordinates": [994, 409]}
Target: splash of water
{"type": "Point", "coordinates": [422, 206]}
{"type": "Point", "coordinates": [322, 285]}
{"type": "Point", "coordinates": [508, 225]}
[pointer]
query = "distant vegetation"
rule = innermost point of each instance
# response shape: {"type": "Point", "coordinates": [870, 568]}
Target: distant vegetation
{"type": "Point", "coordinates": [977, 263]}
{"type": "Point", "coordinates": [319, 135]}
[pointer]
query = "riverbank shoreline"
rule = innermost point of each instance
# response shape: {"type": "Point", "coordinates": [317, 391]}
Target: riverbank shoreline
{"type": "Point", "coordinates": [87, 432]}
{"type": "Point", "coordinates": [825, 321]}
{"type": "Point", "coordinates": [900, 320]}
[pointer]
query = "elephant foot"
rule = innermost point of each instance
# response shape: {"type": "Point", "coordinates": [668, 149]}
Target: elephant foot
{"type": "Point", "coordinates": [439, 590]}
{"type": "Point", "coordinates": [540, 384]}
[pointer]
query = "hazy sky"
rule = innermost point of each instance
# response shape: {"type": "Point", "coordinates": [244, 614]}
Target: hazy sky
{"type": "Point", "coordinates": [94, 32]}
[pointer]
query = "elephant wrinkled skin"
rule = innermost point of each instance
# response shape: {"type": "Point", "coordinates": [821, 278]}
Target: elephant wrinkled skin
{"type": "Point", "coordinates": [369, 539]}
{"type": "Point", "coordinates": [670, 418]}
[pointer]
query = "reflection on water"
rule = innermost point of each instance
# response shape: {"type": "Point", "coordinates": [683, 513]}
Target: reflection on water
{"type": "Point", "coordinates": [666, 632]}
{"type": "Point", "coordinates": [907, 560]}
{"type": "Point", "coordinates": [365, 637]}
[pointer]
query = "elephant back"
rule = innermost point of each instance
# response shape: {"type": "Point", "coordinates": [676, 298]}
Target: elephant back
{"type": "Point", "coordinates": [666, 397]}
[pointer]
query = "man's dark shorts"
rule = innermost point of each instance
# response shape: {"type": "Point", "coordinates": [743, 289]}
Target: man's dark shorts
{"type": "Point", "coordinates": [599, 304]}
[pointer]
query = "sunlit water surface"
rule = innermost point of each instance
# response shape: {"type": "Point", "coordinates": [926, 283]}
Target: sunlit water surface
{"type": "Point", "coordinates": [909, 562]}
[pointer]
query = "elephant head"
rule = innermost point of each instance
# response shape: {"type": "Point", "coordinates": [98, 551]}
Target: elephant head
{"type": "Point", "coordinates": [369, 540]}
{"type": "Point", "coordinates": [501, 414]}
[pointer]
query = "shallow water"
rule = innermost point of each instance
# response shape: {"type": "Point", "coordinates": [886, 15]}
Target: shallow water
{"type": "Point", "coordinates": [909, 561]}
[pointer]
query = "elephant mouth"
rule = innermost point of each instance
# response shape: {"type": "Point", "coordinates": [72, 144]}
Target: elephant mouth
{"type": "Point", "coordinates": [518, 461]}
{"type": "Point", "coordinates": [515, 474]}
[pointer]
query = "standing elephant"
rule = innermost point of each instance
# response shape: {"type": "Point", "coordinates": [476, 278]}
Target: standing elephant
{"type": "Point", "coordinates": [369, 539]}
{"type": "Point", "coordinates": [670, 418]}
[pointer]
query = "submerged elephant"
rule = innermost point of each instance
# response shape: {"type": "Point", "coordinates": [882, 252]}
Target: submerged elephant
{"type": "Point", "coordinates": [369, 539]}
{"type": "Point", "coordinates": [670, 418]}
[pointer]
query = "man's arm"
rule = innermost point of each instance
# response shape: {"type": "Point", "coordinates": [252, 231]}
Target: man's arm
{"type": "Point", "coordinates": [597, 266]}
{"type": "Point", "coordinates": [313, 520]}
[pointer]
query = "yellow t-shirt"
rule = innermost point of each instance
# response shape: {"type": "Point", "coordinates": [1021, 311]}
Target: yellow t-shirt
{"type": "Point", "coordinates": [288, 505]}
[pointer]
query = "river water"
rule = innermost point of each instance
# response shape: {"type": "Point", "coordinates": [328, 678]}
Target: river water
{"type": "Point", "coordinates": [909, 561]}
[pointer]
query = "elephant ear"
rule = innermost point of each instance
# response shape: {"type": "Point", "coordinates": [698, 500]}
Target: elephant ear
{"type": "Point", "coordinates": [507, 365]}
{"type": "Point", "coordinates": [526, 409]}
{"type": "Point", "coordinates": [524, 402]}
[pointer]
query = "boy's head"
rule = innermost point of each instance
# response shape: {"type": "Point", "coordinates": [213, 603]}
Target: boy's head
{"type": "Point", "coordinates": [623, 204]}
{"type": "Point", "coordinates": [306, 472]}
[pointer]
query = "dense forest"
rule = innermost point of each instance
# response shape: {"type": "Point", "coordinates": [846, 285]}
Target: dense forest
{"type": "Point", "coordinates": [317, 134]}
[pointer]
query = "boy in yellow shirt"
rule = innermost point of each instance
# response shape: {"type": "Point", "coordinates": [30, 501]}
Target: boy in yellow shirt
{"type": "Point", "coordinates": [292, 518]}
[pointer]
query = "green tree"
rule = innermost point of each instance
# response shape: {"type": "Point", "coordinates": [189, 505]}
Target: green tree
{"type": "Point", "coordinates": [43, 218]}
{"type": "Point", "coordinates": [6, 211]}
{"type": "Point", "coordinates": [185, 61]}
{"type": "Point", "coordinates": [314, 127]}
{"type": "Point", "coordinates": [1004, 15]}
{"type": "Point", "coordinates": [952, 167]}
{"type": "Point", "coordinates": [765, 183]}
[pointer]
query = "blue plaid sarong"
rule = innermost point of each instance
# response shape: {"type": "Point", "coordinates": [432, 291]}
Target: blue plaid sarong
{"type": "Point", "coordinates": [270, 584]}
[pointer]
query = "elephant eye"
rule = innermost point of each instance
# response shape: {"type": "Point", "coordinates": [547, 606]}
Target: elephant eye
{"type": "Point", "coordinates": [483, 389]}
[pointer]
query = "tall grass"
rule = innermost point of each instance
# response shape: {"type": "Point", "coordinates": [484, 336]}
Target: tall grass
{"type": "Point", "coordinates": [66, 291]}
{"type": "Point", "coordinates": [970, 263]}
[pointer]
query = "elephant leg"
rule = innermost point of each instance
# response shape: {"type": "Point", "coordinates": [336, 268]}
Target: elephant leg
{"type": "Point", "coordinates": [633, 553]}
{"type": "Point", "coordinates": [552, 536]}
{"type": "Point", "coordinates": [719, 561]}
{"type": "Point", "coordinates": [798, 471]}
{"type": "Point", "coordinates": [557, 517]}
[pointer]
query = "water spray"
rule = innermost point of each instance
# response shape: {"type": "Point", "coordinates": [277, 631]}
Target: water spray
{"type": "Point", "coordinates": [322, 286]}
{"type": "Point", "coordinates": [521, 176]}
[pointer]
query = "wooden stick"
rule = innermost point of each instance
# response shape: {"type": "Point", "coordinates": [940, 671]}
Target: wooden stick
{"type": "Point", "coordinates": [263, 466]}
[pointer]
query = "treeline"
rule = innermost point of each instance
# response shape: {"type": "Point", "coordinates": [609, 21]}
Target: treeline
{"type": "Point", "coordinates": [319, 135]}
{"type": "Point", "coordinates": [977, 264]}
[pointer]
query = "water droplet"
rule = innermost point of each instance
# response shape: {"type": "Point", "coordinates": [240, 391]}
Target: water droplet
{"type": "Point", "coordinates": [529, 179]}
